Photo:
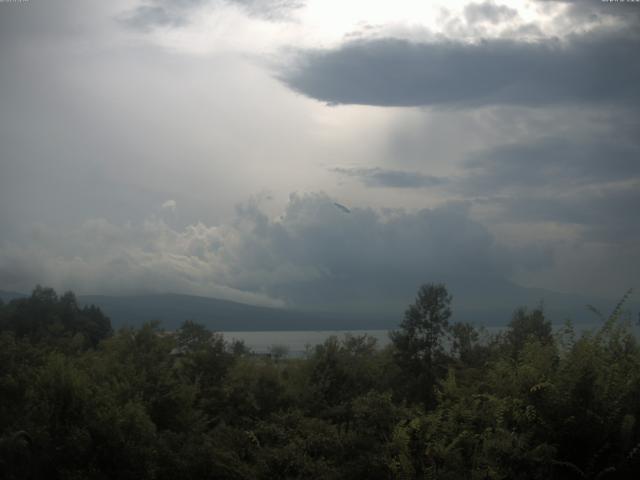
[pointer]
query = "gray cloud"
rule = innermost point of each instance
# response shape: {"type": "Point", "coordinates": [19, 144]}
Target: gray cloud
{"type": "Point", "coordinates": [146, 17]}
{"type": "Point", "coordinates": [593, 68]}
{"type": "Point", "coordinates": [364, 259]}
{"type": "Point", "coordinates": [488, 12]}
{"type": "Point", "coordinates": [596, 10]}
{"type": "Point", "coordinates": [587, 156]}
{"type": "Point", "coordinates": [270, 9]}
{"type": "Point", "coordinates": [607, 214]}
{"type": "Point", "coordinates": [568, 180]}
{"type": "Point", "coordinates": [591, 183]}
{"type": "Point", "coordinates": [381, 177]}
{"type": "Point", "coordinates": [176, 13]}
{"type": "Point", "coordinates": [313, 256]}
{"type": "Point", "coordinates": [551, 162]}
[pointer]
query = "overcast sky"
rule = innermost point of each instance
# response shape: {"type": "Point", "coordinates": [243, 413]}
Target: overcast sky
{"type": "Point", "coordinates": [319, 153]}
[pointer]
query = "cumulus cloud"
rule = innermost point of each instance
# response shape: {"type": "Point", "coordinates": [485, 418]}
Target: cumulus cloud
{"type": "Point", "coordinates": [101, 257]}
{"type": "Point", "coordinates": [269, 9]}
{"type": "Point", "coordinates": [488, 12]}
{"type": "Point", "coordinates": [170, 205]}
{"type": "Point", "coordinates": [313, 256]}
{"type": "Point", "coordinates": [592, 69]}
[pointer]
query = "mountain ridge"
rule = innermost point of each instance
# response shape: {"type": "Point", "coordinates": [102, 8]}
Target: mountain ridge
{"type": "Point", "coordinates": [172, 309]}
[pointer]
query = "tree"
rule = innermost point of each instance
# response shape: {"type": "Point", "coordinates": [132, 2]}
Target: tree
{"type": "Point", "coordinates": [525, 326]}
{"type": "Point", "coordinates": [205, 361]}
{"type": "Point", "coordinates": [278, 352]}
{"type": "Point", "coordinates": [192, 336]}
{"type": "Point", "coordinates": [418, 343]}
{"type": "Point", "coordinates": [465, 343]}
{"type": "Point", "coordinates": [44, 316]}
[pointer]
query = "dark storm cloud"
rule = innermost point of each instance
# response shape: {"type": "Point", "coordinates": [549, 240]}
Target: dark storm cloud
{"type": "Point", "coordinates": [380, 177]}
{"type": "Point", "coordinates": [488, 12]}
{"type": "Point", "coordinates": [593, 68]}
{"type": "Point", "coordinates": [315, 255]}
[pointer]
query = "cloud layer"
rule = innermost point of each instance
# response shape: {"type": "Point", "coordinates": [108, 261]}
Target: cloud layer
{"type": "Point", "coordinates": [591, 69]}
{"type": "Point", "coordinates": [381, 177]}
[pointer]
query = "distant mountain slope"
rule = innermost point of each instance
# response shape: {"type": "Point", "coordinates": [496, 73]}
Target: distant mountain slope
{"type": "Point", "coordinates": [222, 315]}
{"type": "Point", "coordinates": [8, 296]}
{"type": "Point", "coordinates": [477, 304]}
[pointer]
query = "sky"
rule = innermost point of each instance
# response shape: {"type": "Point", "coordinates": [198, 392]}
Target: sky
{"type": "Point", "coordinates": [320, 154]}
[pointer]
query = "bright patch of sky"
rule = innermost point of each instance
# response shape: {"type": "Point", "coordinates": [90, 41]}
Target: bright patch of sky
{"type": "Point", "coordinates": [216, 28]}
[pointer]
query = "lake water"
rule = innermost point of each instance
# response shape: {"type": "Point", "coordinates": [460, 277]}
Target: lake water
{"type": "Point", "coordinates": [297, 342]}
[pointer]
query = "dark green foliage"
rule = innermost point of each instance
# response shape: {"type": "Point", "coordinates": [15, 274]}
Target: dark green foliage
{"type": "Point", "coordinates": [79, 402]}
{"type": "Point", "coordinates": [419, 349]}
{"type": "Point", "coordinates": [342, 369]}
{"type": "Point", "coordinates": [526, 326]}
{"type": "Point", "coordinates": [57, 320]}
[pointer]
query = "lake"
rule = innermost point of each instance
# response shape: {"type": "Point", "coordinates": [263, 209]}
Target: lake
{"type": "Point", "coordinates": [298, 341]}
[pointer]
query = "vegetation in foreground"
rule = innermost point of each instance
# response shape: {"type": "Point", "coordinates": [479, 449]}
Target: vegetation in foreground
{"type": "Point", "coordinates": [78, 401]}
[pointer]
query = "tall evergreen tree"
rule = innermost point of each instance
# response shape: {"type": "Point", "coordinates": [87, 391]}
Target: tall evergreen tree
{"type": "Point", "coordinates": [418, 343]}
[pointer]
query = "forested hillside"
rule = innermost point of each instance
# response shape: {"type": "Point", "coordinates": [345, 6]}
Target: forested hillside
{"type": "Point", "coordinates": [80, 401]}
